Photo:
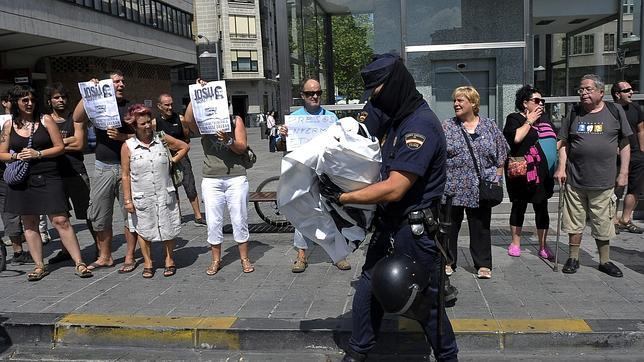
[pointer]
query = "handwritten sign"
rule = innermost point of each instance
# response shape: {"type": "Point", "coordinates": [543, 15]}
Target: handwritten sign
{"type": "Point", "coordinates": [302, 129]}
{"type": "Point", "coordinates": [100, 104]}
{"type": "Point", "coordinates": [210, 107]}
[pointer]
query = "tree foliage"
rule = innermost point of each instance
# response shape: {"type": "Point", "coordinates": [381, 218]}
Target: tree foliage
{"type": "Point", "coordinates": [351, 52]}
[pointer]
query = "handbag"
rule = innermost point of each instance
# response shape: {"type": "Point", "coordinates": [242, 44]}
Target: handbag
{"type": "Point", "coordinates": [248, 158]}
{"type": "Point", "coordinates": [18, 171]}
{"type": "Point", "coordinates": [517, 167]}
{"type": "Point", "coordinates": [176, 169]}
{"type": "Point", "coordinates": [490, 193]}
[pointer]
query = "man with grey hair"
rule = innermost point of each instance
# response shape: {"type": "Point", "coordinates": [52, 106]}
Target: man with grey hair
{"type": "Point", "coordinates": [587, 168]}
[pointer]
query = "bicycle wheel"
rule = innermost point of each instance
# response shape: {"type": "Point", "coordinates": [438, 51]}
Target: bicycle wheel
{"type": "Point", "coordinates": [3, 257]}
{"type": "Point", "coordinates": [268, 210]}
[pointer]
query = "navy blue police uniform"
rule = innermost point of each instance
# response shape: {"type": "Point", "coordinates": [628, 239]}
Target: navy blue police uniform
{"type": "Point", "coordinates": [415, 145]}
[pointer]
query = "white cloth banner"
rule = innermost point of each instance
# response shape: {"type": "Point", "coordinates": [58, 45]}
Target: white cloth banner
{"type": "Point", "coordinates": [210, 107]}
{"type": "Point", "coordinates": [302, 129]}
{"type": "Point", "coordinates": [100, 104]}
{"type": "Point", "coordinates": [352, 162]}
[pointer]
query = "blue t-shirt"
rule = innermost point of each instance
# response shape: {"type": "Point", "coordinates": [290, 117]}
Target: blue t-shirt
{"type": "Point", "coordinates": [417, 145]}
{"type": "Point", "coordinates": [321, 112]}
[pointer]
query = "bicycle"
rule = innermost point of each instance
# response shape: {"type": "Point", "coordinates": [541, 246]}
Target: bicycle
{"type": "Point", "coordinates": [265, 201]}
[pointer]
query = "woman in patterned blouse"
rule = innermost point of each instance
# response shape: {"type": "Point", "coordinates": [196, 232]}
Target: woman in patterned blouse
{"type": "Point", "coordinates": [490, 149]}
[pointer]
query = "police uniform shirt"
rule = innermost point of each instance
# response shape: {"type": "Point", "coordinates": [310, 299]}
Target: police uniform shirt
{"type": "Point", "coordinates": [417, 145]}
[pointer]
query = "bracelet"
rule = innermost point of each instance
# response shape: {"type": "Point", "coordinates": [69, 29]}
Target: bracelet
{"type": "Point", "coordinates": [230, 142]}
{"type": "Point", "coordinates": [128, 202]}
{"type": "Point", "coordinates": [39, 156]}
{"type": "Point", "coordinates": [14, 156]}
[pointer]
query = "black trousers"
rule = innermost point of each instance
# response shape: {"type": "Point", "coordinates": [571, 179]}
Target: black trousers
{"type": "Point", "coordinates": [541, 217]}
{"type": "Point", "coordinates": [478, 221]}
{"type": "Point", "coordinates": [367, 312]}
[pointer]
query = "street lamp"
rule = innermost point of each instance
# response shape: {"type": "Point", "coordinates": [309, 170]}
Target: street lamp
{"type": "Point", "coordinates": [208, 55]}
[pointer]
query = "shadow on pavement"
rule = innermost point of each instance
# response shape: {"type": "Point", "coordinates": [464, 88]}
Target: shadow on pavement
{"type": "Point", "coordinates": [631, 259]}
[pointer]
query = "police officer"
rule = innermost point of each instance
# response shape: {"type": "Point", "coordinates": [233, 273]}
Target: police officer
{"type": "Point", "coordinates": [413, 178]}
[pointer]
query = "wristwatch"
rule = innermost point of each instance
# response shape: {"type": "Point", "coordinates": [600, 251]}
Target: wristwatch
{"type": "Point", "coordinates": [230, 142]}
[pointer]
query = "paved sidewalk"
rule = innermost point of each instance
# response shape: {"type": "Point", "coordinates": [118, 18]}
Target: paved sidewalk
{"type": "Point", "coordinates": [524, 291]}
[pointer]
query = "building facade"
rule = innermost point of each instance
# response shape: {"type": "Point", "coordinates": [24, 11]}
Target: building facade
{"type": "Point", "coordinates": [496, 46]}
{"type": "Point", "coordinates": [75, 40]}
{"type": "Point", "coordinates": [236, 42]}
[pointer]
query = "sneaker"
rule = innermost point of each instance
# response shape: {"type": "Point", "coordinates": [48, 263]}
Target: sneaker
{"type": "Point", "coordinates": [343, 265]}
{"type": "Point", "coordinates": [571, 266]}
{"type": "Point", "coordinates": [62, 256]}
{"type": "Point", "coordinates": [45, 238]}
{"type": "Point", "coordinates": [200, 222]}
{"type": "Point", "coordinates": [611, 269]}
{"type": "Point", "coordinates": [514, 250]}
{"type": "Point", "coordinates": [299, 265]}
{"type": "Point", "coordinates": [546, 253]}
{"type": "Point", "coordinates": [24, 257]}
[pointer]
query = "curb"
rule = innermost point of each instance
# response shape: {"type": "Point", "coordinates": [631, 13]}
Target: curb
{"type": "Point", "coordinates": [230, 333]}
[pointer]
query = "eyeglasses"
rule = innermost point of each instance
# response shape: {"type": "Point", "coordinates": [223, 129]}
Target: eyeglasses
{"type": "Point", "coordinates": [588, 90]}
{"type": "Point", "coordinates": [626, 90]}
{"type": "Point", "coordinates": [312, 93]}
{"type": "Point", "coordinates": [540, 101]}
{"type": "Point", "coordinates": [27, 100]}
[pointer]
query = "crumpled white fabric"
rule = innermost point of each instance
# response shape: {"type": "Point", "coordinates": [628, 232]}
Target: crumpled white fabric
{"type": "Point", "coordinates": [352, 162]}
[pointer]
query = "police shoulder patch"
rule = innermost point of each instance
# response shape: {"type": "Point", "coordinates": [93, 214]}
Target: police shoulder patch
{"type": "Point", "coordinates": [414, 141]}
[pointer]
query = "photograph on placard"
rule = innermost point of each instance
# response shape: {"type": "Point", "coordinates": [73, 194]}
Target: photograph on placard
{"type": "Point", "coordinates": [100, 103]}
{"type": "Point", "coordinates": [210, 107]}
{"type": "Point", "coordinates": [302, 129]}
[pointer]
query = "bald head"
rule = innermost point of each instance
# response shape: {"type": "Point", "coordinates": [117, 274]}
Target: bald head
{"type": "Point", "coordinates": [164, 105]}
{"type": "Point", "coordinates": [312, 95]}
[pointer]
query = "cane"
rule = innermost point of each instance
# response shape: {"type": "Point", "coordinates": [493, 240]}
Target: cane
{"type": "Point", "coordinates": [559, 211]}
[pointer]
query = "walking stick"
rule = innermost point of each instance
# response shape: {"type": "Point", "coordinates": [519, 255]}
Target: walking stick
{"type": "Point", "coordinates": [559, 211]}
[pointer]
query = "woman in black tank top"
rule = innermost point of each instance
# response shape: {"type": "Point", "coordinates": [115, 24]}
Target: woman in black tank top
{"type": "Point", "coordinates": [42, 193]}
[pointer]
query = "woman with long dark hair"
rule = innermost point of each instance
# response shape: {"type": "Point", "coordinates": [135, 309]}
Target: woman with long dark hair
{"type": "Point", "coordinates": [33, 138]}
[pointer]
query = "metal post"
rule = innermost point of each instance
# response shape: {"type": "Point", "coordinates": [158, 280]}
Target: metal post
{"type": "Point", "coordinates": [528, 50]}
{"type": "Point", "coordinates": [641, 85]}
{"type": "Point", "coordinates": [283, 57]}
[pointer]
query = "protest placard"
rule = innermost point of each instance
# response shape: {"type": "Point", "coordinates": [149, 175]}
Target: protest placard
{"type": "Point", "coordinates": [301, 129]}
{"type": "Point", "coordinates": [210, 107]}
{"type": "Point", "coordinates": [100, 104]}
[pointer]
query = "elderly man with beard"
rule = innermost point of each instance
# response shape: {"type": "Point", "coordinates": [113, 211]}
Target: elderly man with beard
{"type": "Point", "coordinates": [413, 180]}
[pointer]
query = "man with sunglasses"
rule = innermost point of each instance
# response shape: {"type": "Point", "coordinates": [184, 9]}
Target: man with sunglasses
{"type": "Point", "coordinates": [587, 168]}
{"type": "Point", "coordinates": [622, 93]}
{"type": "Point", "coordinates": [311, 92]}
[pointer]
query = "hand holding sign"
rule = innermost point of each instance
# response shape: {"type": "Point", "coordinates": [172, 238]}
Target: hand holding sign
{"type": "Point", "coordinates": [100, 103]}
{"type": "Point", "coordinates": [210, 106]}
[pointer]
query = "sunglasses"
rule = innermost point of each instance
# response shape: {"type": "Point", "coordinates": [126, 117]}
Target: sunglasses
{"type": "Point", "coordinates": [311, 94]}
{"type": "Point", "coordinates": [626, 90]}
{"type": "Point", "coordinates": [540, 101]}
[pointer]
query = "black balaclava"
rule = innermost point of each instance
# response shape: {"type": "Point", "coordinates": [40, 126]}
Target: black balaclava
{"type": "Point", "coordinates": [398, 97]}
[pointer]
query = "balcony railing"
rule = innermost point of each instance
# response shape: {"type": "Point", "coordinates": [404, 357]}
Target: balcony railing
{"type": "Point", "coordinates": [152, 13]}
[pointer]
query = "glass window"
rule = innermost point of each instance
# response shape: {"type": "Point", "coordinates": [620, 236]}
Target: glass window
{"type": "Point", "coordinates": [564, 47]}
{"type": "Point", "coordinates": [243, 60]}
{"type": "Point", "coordinates": [589, 43]}
{"type": "Point", "coordinates": [627, 6]}
{"type": "Point", "coordinates": [242, 26]}
{"type": "Point", "coordinates": [609, 42]}
{"type": "Point", "coordinates": [577, 45]}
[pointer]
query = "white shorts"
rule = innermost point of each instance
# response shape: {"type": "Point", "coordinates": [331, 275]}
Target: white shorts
{"type": "Point", "coordinates": [219, 192]}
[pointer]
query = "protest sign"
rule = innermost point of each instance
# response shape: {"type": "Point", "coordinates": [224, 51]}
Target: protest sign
{"type": "Point", "coordinates": [210, 107]}
{"type": "Point", "coordinates": [302, 129]}
{"type": "Point", "coordinates": [100, 104]}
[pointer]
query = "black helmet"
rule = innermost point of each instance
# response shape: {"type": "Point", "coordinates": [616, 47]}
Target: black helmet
{"type": "Point", "coordinates": [399, 283]}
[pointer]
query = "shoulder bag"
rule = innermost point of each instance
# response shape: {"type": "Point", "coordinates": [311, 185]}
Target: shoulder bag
{"type": "Point", "coordinates": [176, 169]}
{"type": "Point", "coordinates": [248, 158]}
{"type": "Point", "coordinates": [18, 171]}
{"type": "Point", "coordinates": [490, 193]}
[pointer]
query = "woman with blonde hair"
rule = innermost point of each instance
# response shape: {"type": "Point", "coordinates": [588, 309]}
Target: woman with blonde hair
{"type": "Point", "coordinates": [470, 134]}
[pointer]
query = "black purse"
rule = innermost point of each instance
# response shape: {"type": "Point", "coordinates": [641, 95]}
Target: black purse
{"type": "Point", "coordinates": [490, 193]}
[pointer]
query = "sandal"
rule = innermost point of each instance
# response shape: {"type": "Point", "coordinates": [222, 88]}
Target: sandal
{"type": "Point", "coordinates": [148, 273]}
{"type": "Point", "coordinates": [247, 267]}
{"type": "Point", "coordinates": [40, 271]}
{"type": "Point", "coordinates": [82, 271]}
{"type": "Point", "coordinates": [484, 273]}
{"type": "Point", "coordinates": [629, 227]}
{"type": "Point", "coordinates": [170, 271]}
{"type": "Point", "coordinates": [127, 268]}
{"type": "Point", "coordinates": [214, 267]}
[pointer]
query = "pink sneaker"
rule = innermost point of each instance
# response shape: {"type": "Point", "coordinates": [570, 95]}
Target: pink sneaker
{"type": "Point", "coordinates": [546, 253]}
{"type": "Point", "coordinates": [514, 250]}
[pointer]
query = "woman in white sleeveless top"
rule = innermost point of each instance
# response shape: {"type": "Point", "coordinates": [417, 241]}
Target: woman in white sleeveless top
{"type": "Point", "coordinates": [150, 196]}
